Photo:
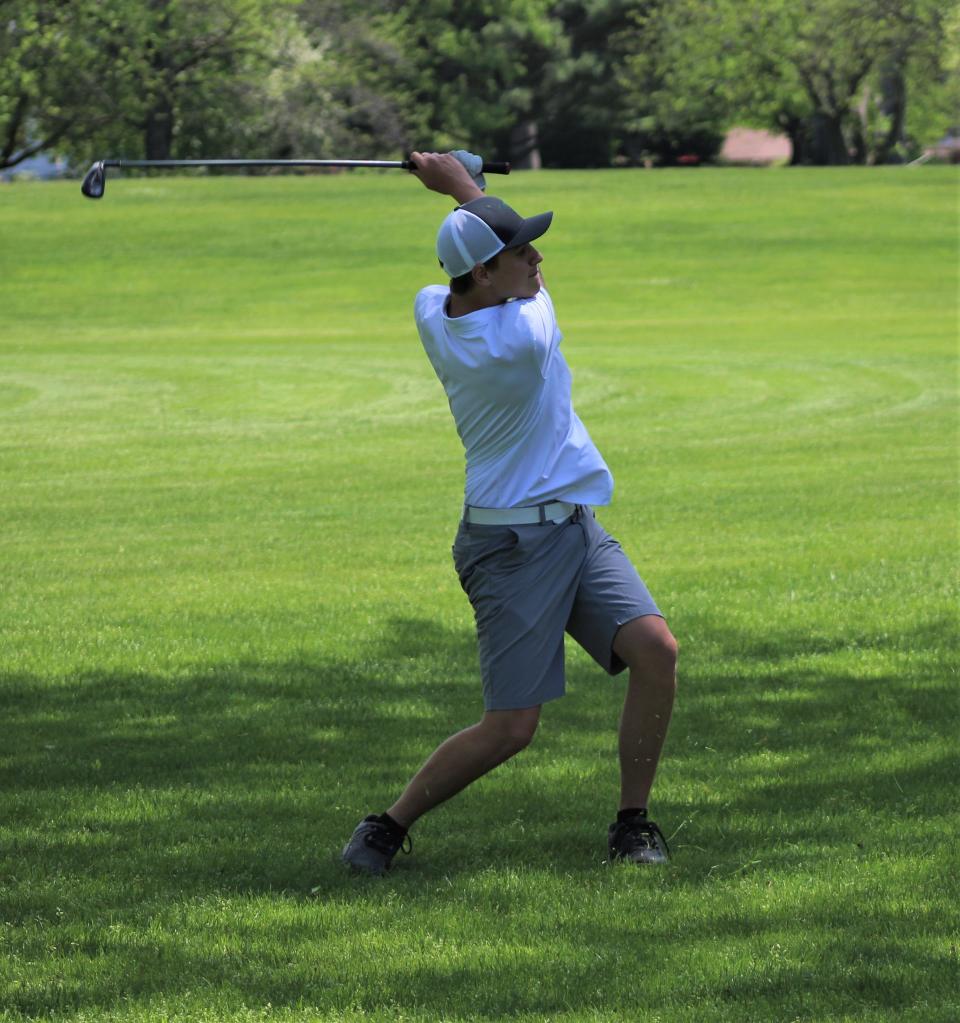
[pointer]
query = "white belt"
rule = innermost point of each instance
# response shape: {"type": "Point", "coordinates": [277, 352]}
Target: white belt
{"type": "Point", "coordinates": [553, 511]}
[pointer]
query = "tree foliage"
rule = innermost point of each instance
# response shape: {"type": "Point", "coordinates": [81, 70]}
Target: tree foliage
{"type": "Point", "coordinates": [588, 116]}
{"type": "Point", "coordinates": [574, 82]}
{"type": "Point", "coordinates": [158, 78]}
{"type": "Point", "coordinates": [835, 75]}
{"type": "Point", "coordinates": [47, 90]}
{"type": "Point", "coordinates": [849, 61]}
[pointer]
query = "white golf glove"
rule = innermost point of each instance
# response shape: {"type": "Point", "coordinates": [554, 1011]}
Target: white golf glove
{"type": "Point", "coordinates": [474, 165]}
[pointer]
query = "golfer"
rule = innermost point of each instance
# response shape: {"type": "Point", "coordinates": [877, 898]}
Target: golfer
{"type": "Point", "coordinates": [530, 555]}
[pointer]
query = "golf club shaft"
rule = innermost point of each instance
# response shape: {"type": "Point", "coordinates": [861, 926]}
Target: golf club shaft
{"type": "Point", "coordinates": [488, 168]}
{"type": "Point", "coordinates": [95, 181]}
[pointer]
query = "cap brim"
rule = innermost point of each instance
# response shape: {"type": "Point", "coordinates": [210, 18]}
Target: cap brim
{"type": "Point", "coordinates": [533, 227]}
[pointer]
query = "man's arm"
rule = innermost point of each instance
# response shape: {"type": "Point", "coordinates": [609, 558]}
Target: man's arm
{"type": "Point", "coordinates": [444, 173]}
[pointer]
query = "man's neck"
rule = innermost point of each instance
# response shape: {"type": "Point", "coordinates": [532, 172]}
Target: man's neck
{"type": "Point", "coordinates": [462, 305]}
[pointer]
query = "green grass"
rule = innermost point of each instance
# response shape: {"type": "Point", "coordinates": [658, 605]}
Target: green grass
{"type": "Point", "coordinates": [230, 624]}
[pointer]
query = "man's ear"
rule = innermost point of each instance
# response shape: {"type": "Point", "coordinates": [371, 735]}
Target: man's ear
{"type": "Point", "coordinates": [481, 276]}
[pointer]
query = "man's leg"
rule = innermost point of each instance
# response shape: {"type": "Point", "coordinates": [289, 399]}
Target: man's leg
{"type": "Point", "coordinates": [463, 758]}
{"type": "Point", "coordinates": [454, 764]}
{"type": "Point", "coordinates": [649, 650]}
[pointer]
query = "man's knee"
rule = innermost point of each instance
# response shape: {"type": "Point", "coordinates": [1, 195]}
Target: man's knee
{"type": "Point", "coordinates": [647, 643]}
{"type": "Point", "coordinates": [515, 729]}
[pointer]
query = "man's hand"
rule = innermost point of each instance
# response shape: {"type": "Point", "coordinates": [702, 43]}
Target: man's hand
{"type": "Point", "coordinates": [444, 173]}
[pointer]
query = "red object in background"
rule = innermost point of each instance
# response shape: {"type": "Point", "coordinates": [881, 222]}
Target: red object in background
{"type": "Point", "coordinates": [688, 160]}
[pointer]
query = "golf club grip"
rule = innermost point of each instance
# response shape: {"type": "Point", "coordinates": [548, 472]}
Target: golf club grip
{"type": "Point", "coordinates": [487, 168]}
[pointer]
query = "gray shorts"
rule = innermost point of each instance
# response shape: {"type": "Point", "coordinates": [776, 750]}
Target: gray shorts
{"type": "Point", "coordinates": [530, 584]}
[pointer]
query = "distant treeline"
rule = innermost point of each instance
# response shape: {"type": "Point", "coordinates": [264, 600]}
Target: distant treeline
{"type": "Point", "coordinates": [565, 83]}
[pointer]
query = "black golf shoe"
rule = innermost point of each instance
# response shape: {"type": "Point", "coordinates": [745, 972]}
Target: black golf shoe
{"type": "Point", "coordinates": [373, 845]}
{"type": "Point", "coordinates": [637, 840]}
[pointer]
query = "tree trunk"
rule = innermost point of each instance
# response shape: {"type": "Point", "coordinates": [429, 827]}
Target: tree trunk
{"type": "Point", "coordinates": [158, 125]}
{"type": "Point", "coordinates": [860, 129]}
{"type": "Point", "coordinates": [894, 105]}
{"type": "Point", "coordinates": [158, 130]}
{"type": "Point", "coordinates": [525, 146]}
{"type": "Point", "coordinates": [828, 147]}
{"type": "Point", "coordinates": [797, 130]}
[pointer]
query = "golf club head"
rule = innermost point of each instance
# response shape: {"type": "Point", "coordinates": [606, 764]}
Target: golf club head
{"type": "Point", "coordinates": [95, 181]}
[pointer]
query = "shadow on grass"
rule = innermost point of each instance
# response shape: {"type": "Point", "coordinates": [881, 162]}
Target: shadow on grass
{"type": "Point", "coordinates": [809, 721]}
{"type": "Point", "coordinates": [160, 762]}
{"type": "Point", "coordinates": [126, 793]}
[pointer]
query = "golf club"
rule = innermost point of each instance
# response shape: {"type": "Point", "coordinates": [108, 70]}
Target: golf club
{"type": "Point", "coordinates": [95, 182]}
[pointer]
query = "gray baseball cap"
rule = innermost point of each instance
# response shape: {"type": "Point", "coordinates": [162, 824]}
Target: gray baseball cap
{"type": "Point", "coordinates": [479, 229]}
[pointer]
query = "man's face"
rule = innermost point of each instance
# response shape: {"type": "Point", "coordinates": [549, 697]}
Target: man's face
{"type": "Point", "coordinates": [517, 273]}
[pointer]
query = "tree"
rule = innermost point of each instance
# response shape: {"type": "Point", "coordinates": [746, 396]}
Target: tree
{"type": "Point", "coordinates": [933, 86]}
{"type": "Point", "coordinates": [186, 58]}
{"type": "Point", "coordinates": [916, 70]}
{"type": "Point", "coordinates": [675, 83]}
{"type": "Point", "coordinates": [365, 76]}
{"type": "Point", "coordinates": [833, 74]}
{"type": "Point", "coordinates": [47, 87]}
{"type": "Point", "coordinates": [585, 112]}
{"type": "Point", "coordinates": [483, 69]}
{"type": "Point", "coordinates": [838, 71]}
{"type": "Point", "coordinates": [153, 78]}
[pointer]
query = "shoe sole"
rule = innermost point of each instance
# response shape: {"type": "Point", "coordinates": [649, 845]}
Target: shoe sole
{"type": "Point", "coordinates": [361, 868]}
{"type": "Point", "coordinates": [659, 861]}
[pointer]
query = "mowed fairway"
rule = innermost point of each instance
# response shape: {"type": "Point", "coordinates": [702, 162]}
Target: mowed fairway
{"type": "Point", "coordinates": [230, 624]}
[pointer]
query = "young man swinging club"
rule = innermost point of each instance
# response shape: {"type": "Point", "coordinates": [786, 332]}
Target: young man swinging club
{"type": "Point", "coordinates": [530, 555]}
